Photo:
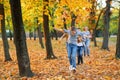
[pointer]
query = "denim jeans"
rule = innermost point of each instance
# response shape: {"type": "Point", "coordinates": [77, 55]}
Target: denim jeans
{"type": "Point", "coordinates": [87, 50]}
{"type": "Point", "coordinates": [72, 50]}
{"type": "Point", "coordinates": [67, 46]}
{"type": "Point", "coordinates": [79, 52]}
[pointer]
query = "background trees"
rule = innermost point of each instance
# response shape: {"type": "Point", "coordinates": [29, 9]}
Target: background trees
{"type": "Point", "coordinates": [43, 15]}
{"type": "Point", "coordinates": [20, 39]}
{"type": "Point", "coordinates": [106, 25]}
{"type": "Point", "coordinates": [117, 55]}
{"type": "Point", "coordinates": [4, 36]}
{"type": "Point", "coordinates": [48, 44]}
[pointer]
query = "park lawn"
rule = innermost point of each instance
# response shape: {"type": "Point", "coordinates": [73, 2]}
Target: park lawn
{"type": "Point", "coordinates": [101, 65]}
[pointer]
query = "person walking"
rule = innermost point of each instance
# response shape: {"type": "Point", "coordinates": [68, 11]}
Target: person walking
{"type": "Point", "coordinates": [80, 49]}
{"type": "Point", "coordinates": [87, 36]}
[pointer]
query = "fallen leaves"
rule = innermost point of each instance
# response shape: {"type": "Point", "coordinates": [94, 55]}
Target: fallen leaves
{"type": "Point", "coordinates": [101, 65]}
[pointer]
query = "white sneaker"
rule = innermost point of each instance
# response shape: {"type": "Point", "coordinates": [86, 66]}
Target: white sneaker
{"type": "Point", "coordinates": [70, 67]}
{"type": "Point", "coordinates": [74, 69]}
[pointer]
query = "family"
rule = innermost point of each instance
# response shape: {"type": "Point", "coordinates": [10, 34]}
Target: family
{"type": "Point", "coordinates": [77, 42]}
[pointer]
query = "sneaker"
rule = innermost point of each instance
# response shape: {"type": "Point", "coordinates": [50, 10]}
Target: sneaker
{"type": "Point", "coordinates": [74, 69]}
{"type": "Point", "coordinates": [70, 67]}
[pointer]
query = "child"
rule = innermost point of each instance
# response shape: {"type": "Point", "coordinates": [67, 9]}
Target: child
{"type": "Point", "coordinates": [87, 37]}
{"type": "Point", "coordinates": [80, 49]}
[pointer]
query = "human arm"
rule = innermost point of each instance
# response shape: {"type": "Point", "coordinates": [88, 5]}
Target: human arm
{"type": "Point", "coordinates": [61, 30]}
{"type": "Point", "coordinates": [64, 35]}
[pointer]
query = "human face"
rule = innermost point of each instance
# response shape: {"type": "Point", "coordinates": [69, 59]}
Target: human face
{"type": "Point", "coordinates": [73, 33]}
{"type": "Point", "coordinates": [80, 38]}
{"type": "Point", "coordinates": [86, 28]}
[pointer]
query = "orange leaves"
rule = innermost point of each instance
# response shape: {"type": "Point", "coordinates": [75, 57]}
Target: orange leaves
{"type": "Point", "coordinates": [100, 65]}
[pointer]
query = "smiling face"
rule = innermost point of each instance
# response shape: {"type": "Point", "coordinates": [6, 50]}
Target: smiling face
{"type": "Point", "coordinates": [79, 38]}
{"type": "Point", "coordinates": [86, 28]}
{"type": "Point", "coordinates": [73, 31]}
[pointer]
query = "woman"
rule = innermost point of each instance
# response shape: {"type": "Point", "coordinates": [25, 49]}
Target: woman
{"type": "Point", "coordinates": [87, 36]}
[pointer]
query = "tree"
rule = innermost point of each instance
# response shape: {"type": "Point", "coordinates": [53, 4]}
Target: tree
{"type": "Point", "coordinates": [10, 32]}
{"type": "Point", "coordinates": [92, 20]}
{"type": "Point", "coordinates": [94, 31]}
{"type": "Point", "coordinates": [4, 36]}
{"type": "Point", "coordinates": [48, 44]}
{"type": "Point", "coordinates": [117, 55]}
{"type": "Point", "coordinates": [19, 37]}
{"type": "Point", "coordinates": [40, 35]}
{"type": "Point", "coordinates": [106, 26]}
{"type": "Point", "coordinates": [74, 13]}
{"type": "Point", "coordinates": [34, 34]}
{"type": "Point", "coordinates": [52, 10]}
{"type": "Point", "coordinates": [30, 34]}
{"type": "Point", "coordinates": [73, 19]}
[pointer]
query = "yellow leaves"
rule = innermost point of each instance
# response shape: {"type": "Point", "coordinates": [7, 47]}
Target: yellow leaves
{"type": "Point", "coordinates": [58, 22]}
{"type": "Point", "coordinates": [46, 12]}
{"type": "Point", "coordinates": [107, 78]}
{"type": "Point", "coordinates": [78, 7]}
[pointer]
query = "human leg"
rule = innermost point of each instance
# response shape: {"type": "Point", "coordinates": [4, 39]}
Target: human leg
{"type": "Point", "coordinates": [69, 51]}
{"type": "Point", "coordinates": [74, 51]}
{"type": "Point", "coordinates": [78, 54]}
{"type": "Point", "coordinates": [87, 47]}
{"type": "Point", "coordinates": [81, 54]}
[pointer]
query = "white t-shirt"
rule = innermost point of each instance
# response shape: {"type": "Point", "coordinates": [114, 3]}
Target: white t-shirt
{"type": "Point", "coordinates": [80, 44]}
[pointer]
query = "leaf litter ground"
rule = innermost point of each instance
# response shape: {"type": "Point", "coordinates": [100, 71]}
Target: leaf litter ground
{"type": "Point", "coordinates": [100, 65]}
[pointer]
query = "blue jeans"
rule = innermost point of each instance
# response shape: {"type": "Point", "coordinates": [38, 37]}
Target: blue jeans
{"type": "Point", "coordinates": [79, 52]}
{"type": "Point", "coordinates": [87, 43]}
{"type": "Point", "coordinates": [67, 46]}
{"type": "Point", "coordinates": [72, 50]}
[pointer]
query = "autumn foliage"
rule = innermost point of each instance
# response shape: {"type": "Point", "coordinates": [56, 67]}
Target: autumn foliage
{"type": "Point", "coordinates": [100, 65]}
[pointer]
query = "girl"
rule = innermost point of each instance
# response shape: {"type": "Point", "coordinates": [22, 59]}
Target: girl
{"type": "Point", "coordinates": [80, 49]}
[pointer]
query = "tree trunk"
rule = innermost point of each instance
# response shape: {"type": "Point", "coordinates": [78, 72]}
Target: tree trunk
{"type": "Point", "coordinates": [4, 36]}
{"type": "Point", "coordinates": [94, 31]}
{"type": "Point", "coordinates": [94, 37]}
{"type": "Point", "coordinates": [55, 33]}
{"type": "Point", "coordinates": [65, 26]}
{"type": "Point", "coordinates": [40, 36]}
{"type": "Point", "coordinates": [92, 22]}
{"type": "Point", "coordinates": [30, 34]}
{"type": "Point", "coordinates": [106, 26]}
{"type": "Point", "coordinates": [73, 17]}
{"type": "Point", "coordinates": [48, 44]}
{"type": "Point", "coordinates": [20, 39]}
{"type": "Point", "coordinates": [52, 34]}
{"type": "Point", "coordinates": [11, 35]}
{"type": "Point", "coordinates": [117, 55]}
{"type": "Point", "coordinates": [35, 34]}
